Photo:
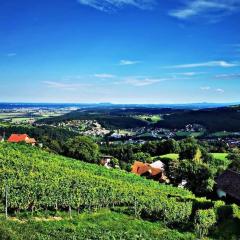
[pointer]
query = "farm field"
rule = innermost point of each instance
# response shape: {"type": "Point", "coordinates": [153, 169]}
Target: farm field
{"type": "Point", "coordinates": [102, 224]}
{"type": "Point", "coordinates": [189, 134]}
{"type": "Point", "coordinates": [150, 118]}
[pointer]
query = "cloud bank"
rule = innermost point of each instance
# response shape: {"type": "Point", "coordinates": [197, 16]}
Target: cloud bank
{"type": "Point", "coordinates": [110, 5]}
{"type": "Point", "coordinates": [223, 64]}
{"type": "Point", "coordinates": [213, 9]}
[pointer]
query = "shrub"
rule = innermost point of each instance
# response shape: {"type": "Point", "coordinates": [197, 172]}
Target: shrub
{"type": "Point", "coordinates": [204, 220]}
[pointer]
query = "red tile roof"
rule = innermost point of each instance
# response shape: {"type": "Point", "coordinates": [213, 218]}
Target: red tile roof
{"type": "Point", "coordinates": [15, 138]}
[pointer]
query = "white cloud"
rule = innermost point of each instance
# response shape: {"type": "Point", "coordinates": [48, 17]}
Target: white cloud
{"type": "Point", "coordinates": [128, 62]}
{"type": "Point", "coordinates": [104, 76]}
{"type": "Point", "coordinates": [228, 76]}
{"type": "Point", "coordinates": [65, 86]}
{"type": "Point", "coordinates": [207, 88]}
{"type": "Point", "coordinates": [220, 90]}
{"type": "Point", "coordinates": [207, 64]}
{"type": "Point", "coordinates": [188, 74]}
{"type": "Point", "coordinates": [213, 9]}
{"type": "Point", "coordinates": [110, 5]}
{"type": "Point", "coordinates": [11, 54]}
{"type": "Point", "coordinates": [139, 81]}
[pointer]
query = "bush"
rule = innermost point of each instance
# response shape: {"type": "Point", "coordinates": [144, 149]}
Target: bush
{"type": "Point", "coordinates": [203, 222]}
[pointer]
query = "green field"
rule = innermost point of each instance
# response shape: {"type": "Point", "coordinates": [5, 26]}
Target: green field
{"type": "Point", "coordinates": [9, 115]}
{"type": "Point", "coordinates": [189, 134]}
{"type": "Point", "coordinates": [21, 119]}
{"type": "Point", "coordinates": [173, 156]}
{"type": "Point", "coordinates": [220, 156]}
{"type": "Point", "coordinates": [102, 224]}
{"type": "Point", "coordinates": [221, 134]}
{"type": "Point", "coordinates": [150, 118]}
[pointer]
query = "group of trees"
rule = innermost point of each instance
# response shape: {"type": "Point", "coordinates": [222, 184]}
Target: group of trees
{"type": "Point", "coordinates": [195, 165]}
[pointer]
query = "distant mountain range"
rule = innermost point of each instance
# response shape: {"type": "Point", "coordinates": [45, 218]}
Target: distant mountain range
{"type": "Point", "coordinates": [202, 105]}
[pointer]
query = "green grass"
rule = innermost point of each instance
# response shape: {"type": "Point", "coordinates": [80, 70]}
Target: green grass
{"type": "Point", "coordinates": [220, 156]}
{"type": "Point", "coordinates": [150, 118]}
{"type": "Point", "coordinates": [103, 224]}
{"type": "Point", "coordinates": [173, 156]}
{"type": "Point", "coordinates": [221, 134]}
{"type": "Point", "coordinates": [21, 119]}
{"type": "Point", "coordinates": [189, 134]}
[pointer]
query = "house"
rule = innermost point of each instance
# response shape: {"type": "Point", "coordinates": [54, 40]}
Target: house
{"type": "Point", "coordinates": [139, 168]}
{"type": "Point", "coordinates": [153, 171]}
{"type": "Point", "coordinates": [106, 160]}
{"type": "Point", "coordinates": [228, 184]}
{"type": "Point", "coordinates": [2, 138]}
{"type": "Point", "coordinates": [16, 138]}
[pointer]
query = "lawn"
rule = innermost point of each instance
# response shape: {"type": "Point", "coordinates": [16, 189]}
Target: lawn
{"type": "Point", "coordinates": [220, 156]}
{"type": "Point", "coordinates": [173, 156]}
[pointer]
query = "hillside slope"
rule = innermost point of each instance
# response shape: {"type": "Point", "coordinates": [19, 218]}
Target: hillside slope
{"type": "Point", "coordinates": [37, 180]}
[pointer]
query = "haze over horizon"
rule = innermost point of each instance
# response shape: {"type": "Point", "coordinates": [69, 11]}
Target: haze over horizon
{"type": "Point", "coordinates": [120, 51]}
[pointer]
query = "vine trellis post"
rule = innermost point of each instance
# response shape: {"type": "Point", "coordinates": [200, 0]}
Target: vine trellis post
{"type": "Point", "coordinates": [6, 201]}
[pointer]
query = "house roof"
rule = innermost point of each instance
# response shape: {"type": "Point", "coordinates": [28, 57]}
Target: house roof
{"type": "Point", "coordinates": [157, 164]}
{"type": "Point", "coordinates": [139, 168]}
{"type": "Point", "coordinates": [229, 182]}
{"type": "Point", "coordinates": [17, 137]}
{"type": "Point", "coordinates": [154, 171]}
{"type": "Point", "coordinates": [30, 140]}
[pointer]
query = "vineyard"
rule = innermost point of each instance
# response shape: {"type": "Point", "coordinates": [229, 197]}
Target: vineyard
{"type": "Point", "coordinates": [34, 180]}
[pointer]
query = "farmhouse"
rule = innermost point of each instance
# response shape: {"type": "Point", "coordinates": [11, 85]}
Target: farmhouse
{"type": "Point", "coordinates": [228, 184]}
{"type": "Point", "coordinates": [153, 171]}
{"type": "Point", "coordinates": [105, 161]}
{"type": "Point", "coordinates": [16, 138]}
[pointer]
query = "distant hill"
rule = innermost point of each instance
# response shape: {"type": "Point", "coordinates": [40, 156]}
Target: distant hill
{"type": "Point", "coordinates": [111, 105]}
{"type": "Point", "coordinates": [217, 119]}
{"type": "Point", "coordinates": [213, 119]}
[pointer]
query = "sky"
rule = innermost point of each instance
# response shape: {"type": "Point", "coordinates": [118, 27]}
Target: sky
{"type": "Point", "coordinates": [120, 51]}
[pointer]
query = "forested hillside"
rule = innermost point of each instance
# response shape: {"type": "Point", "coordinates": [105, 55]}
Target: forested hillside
{"type": "Point", "coordinates": [37, 180]}
{"type": "Point", "coordinates": [218, 119]}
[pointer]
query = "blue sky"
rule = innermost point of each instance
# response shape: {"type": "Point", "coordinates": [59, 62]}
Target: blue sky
{"type": "Point", "coordinates": [120, 51]}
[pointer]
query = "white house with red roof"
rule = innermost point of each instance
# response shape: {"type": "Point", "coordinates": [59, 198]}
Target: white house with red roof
{"type": "Point", "coordinates": [17, 138]}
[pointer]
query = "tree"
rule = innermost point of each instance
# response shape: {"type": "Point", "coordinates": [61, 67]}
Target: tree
{"type": "Point", "coordinates": [150, 147]}
{"type": "Point", "coordinates": [204, 220]}
{"type": "Point", "coordinates": [234, 157]}
{"type": "Point", "coordinates": [168, 146]}
{"type": "Point", "coordinates": [191, 150]}
{"type": "Point", "coordinates": [82, 148]}
{"type": "Point", "coordinates": [199, 176]}
{"type": "Point", "coordinates": [141, 156]}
